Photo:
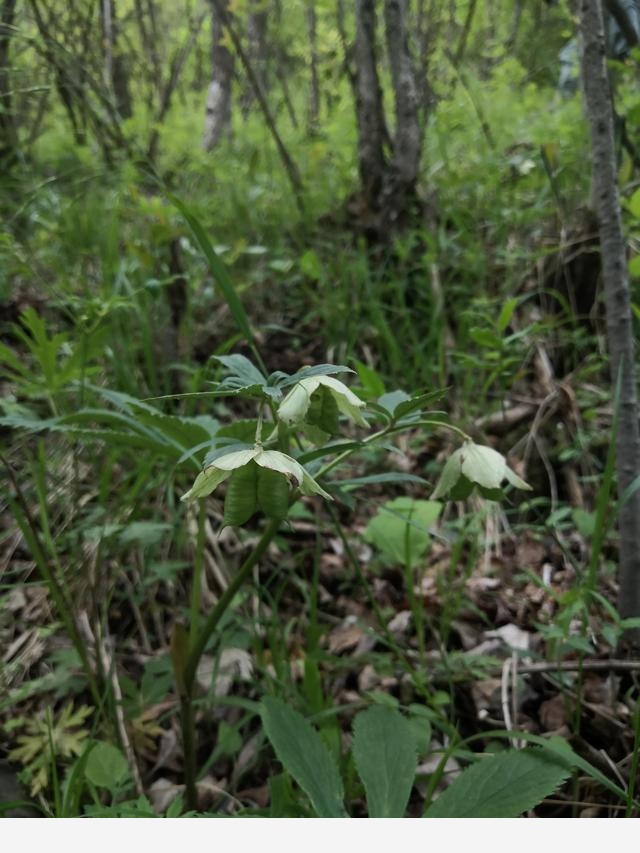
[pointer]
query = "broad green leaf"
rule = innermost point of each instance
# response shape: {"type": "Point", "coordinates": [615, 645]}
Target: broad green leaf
{"type": "Point", "coordinates": [316, 370]}
{"type": "Point", "coordinates": [385, 754]}
{"type": "Point", "coordinates": [392, 400]}
{"type": "Point", "coordinates": [400, 530]}
{"type": "Point", "coordinates": [633, 204]}
{"type": "Point", "coordinates": [502, 785]}
{"type": "Point", "coordinates": [417, 403]}
{"type": "Point", "coordinates": [304, 755]}
{"type": "Point", "coordinates": [106, 766]}
{"type": "Point", "coordinates": [239, 366]}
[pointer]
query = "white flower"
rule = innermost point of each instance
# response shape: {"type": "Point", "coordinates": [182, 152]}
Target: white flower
{"type": "Point", "coordinates": [222, 468]}
{"type": "Point", "coordinates": [294, 407]}
{"type": "Point", "coordinates": [476, 465]}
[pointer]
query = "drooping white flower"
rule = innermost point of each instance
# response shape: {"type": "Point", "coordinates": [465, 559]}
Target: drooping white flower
{"type": "Point", "coordinates": [224, 465]}
{"type": "Point", "coordinates": [296, 404]}
{"type": "Point", "coordinates": [475, 465]}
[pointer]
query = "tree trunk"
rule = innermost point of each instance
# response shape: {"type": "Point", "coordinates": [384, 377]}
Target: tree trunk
{"type": "Point", "coordinates": [8, 132]}
{"type": "Point", "coordinates": [116, 74]}
{"type": "Point", "coordinates": [218, 110]}
{"type": "Point", "coordinates": [369, 108]}
{"type": "Point", "coordinates": [314, 84]}
{"type": "Point", "coordinates": [407, 141]}
{"type": "Point", "coordinates": [258, 53]}
{"type": "Point", "coordinates": [599, 112]}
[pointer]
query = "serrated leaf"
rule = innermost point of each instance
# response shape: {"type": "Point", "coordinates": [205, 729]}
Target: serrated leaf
{"type": "Point", "coordinates": [304, 755]}
{"type": "Point", "coordinates": [385, 754]}
{"type": "Point", "coordinates": [316, 370]}
{"type": "Point", "coordinates": [106, 766]}
{"type": "Point", "coordinates": [240, 367]}
{"type": "Point", "coordinates": [393, 399]}
{"type": "Point", "coordinates": [417, 403]}
{"type": "Point", "coordinates": [502, 785]}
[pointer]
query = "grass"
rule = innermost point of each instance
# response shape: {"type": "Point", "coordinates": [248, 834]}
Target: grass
{"type": "Point", "coordinates": [95, 466]}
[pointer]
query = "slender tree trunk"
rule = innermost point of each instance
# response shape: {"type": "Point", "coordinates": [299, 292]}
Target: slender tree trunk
{"type": "Point", "coordinates": [217, 121]}
{"type": "Point", "coordinates": [599, 112]}
{"type": "Point", "coordinates": [369, 107]}
{"type": "Point", "coordinates": [8, 132]}
{"type": "Point", "coordinates": [116, 73]}
{"type": "Point", "coordinates": [258, 53]}
{"type": "Point", "coordinates": [314, 84]}
{"type": "Point", "coordinates": [290, 167]}
{"type": "Point", "coordinates": [407, 141]}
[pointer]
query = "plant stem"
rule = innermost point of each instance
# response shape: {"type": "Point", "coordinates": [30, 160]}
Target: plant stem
{"type": "Point", "coordinates": [197, 646]}
{"type": "Point", "coordinates": [196, 586]}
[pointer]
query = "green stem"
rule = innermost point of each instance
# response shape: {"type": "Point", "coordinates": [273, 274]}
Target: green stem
{"type": "Point", "coordinates": [196, 648]}
{"type": "Point", "coordinates": [196, 586]}
{"type": "Point", "coordinates": [388, 430]}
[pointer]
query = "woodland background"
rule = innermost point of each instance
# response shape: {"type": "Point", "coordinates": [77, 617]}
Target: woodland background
{"type": "Point", "coordinates": [402, 187]}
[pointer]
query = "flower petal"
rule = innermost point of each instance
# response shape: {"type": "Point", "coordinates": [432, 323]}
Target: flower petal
{"type": "Point", "coordinates": [483, 465]}
{"type": "Point", "coordinates": [348, 403]}
{"type": "Point", "coordinates": [236, 459]}
{"type": "Point", "coordinates": [309, 487]}
{"type": "Point", "coordinates": [205, 483]}
{"type": "Point", "coordinates": [450, 475]}
{"type": "Point", "coordinates": [281, 462]}
{"type": "Point", "coordinates": [516, 481]}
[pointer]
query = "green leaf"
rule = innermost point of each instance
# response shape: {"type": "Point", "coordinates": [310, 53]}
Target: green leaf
{"type": "Point", "coordinates": [240, 366]}
{"type": "Point", "coordinates": [384, 750]}
{"type": "Point", "coordinates": [507, 312]}
{"type": "Point", "coordinates": [400, 530]}
{"type": "Point", "coordinates": [633, 204]}
{"type": "Point", "coordinates": [417, 403]}
{"type": "Point", "coordinates": [502, 785]}
{"type": "Point", "coordinates": [316, 370]}
{"type": "Point", "coordinates": [304, 755]}
{"type": "Point", "coordinates": [218, 270]}
{"type": "Point", "coordinates": [386, 477]}
{"type": "Point", "coordinates": [485, 338]}
{"type": "Point", "coordinates": [106, 766]}
{"type": "Point", "coordinates": [634, 267]}
{"type": "Point", "coordinates": [393, 399]}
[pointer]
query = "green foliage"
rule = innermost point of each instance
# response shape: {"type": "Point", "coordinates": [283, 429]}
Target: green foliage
{"type": "Point", "coordinates": [48, 740]}
{"type": "Point", "coordinates": [400, 529]}
{"type": "Point", "coordinates": [502, 785]}
{"type": "Point", "coordinates": [384, 750]}
{"type": "Point", "coordinates": [106, 766]}
{"type": "Point", "coordinates": [302, 751]}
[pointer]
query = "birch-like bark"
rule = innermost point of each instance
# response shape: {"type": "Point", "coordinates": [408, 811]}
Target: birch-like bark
{"type": "Point", "coordinates": [599, 112]}
{"type": "Point", "coordinates": [369, 108]}
{"type": "Point", "coordinates": [217, 120]}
